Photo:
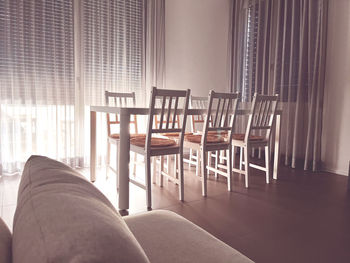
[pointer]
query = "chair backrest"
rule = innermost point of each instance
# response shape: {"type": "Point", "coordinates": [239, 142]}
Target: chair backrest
{"type": "Point", "coordinates": [159, 101]}
{"type": "Point", "coordinates": [261, 116]}
{"type": "Point", "coordinates": [221, 112]}
{"type": "Point", "coordinates": [119, 100]}
{"type": "Point", "coordinates": [169, 111]}
{"type": "Point", "coordinates": [197, 103]}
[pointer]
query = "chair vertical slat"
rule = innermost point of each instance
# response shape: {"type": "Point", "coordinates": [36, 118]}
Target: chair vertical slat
{"type": "Point", "coordinates": [217, 112]}
{"type": "Point", "coordinates": [262, 114]}
{"type": "Point", "coordinates": [175, 111]}
{"type": "Point", "coordinates": [169, 112]}
{"type": "Point", "coordinates": [162, 112]}
{"type": "Point", "coordinates": [266, 118]}
{"type": "Point", "coordinates": [227, 111]}
{"type": "Point", "coordinates": [258, 105]}
{"type": "Point", "coordinates": [125, 103]}
{"type": "Point", "coordinates": [222, 110]}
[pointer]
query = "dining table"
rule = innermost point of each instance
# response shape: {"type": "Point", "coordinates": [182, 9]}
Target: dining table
{"type": "Point", "coordinates": [124, 143]}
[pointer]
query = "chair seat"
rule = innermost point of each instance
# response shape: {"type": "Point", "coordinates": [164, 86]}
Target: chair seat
{"type": "Point", "coordinates": [197, 138]}
{"type": "Point", "coordinates": [240, 137]}
{"type": "Point", "coordinates": [175, 135]}
{"type": "Point", "coordinates": [117, 136]}
{"type": "Point", "coordinates": [155, 142]}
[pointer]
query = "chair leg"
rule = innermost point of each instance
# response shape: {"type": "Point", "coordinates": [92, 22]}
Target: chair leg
{"type": "Point", "coordinates": [175, 166]}
{"type": "Point", "coordinates": [204, 173]}
{"type": "Point", "coordinates": [154, 168]}
{"type": "Point", "coordinates": [246, 165]}
{"type": "Point", "coordinates": [267, 163]}
{"type": "Point", "coordinates": [134, 168]}
{"type": "Point", "coordinates": [240, 157]}
{"type": "Point", "coordinates": [117, 164]}
{"type": "Point", "coordinates": [161, 177]}
{"type": "Point", "coordinates": [108, 157]}
{"type": "Point", "coordinates": [233, 156]}
{"type": "Point", "coordinates": [209, 161]}
{"type": "Point", "coordinates": [148, 182]}
{"type": "Point", "coordinates": [181, 172]}
{"type": "Point", "coordinates": [217, 156]}
{"type": "Point", "coordinates": [190, 159]}
{"type": "Point", "coordinates": [198, 163]}
{"type": "Point", "coordinates": [168, 165]}
{"type": "Point", "coordinates": [229, 169]}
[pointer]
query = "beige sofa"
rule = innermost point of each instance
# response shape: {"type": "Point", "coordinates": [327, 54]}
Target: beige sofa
{"type": "Point", "coordinates": [62, 217]}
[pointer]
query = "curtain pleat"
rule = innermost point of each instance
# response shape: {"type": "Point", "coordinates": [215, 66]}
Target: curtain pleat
{"type": "Point", "coordinates": [154, 49]}
{"type": "Point", "coordinates": [36, 82]}
{"type": "Point", "coordinates": [57, 57]}
{"type": "Point", "coordinates": [279, 47]}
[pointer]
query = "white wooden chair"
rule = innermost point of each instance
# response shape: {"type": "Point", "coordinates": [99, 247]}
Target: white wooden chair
{"type": "Point", "coordinates": [153, 144]}
{"type": "Point", "coordinates": [174, 136]}
{"type": "Point", "coordinates": [197, 122]}
{"type": "Point", "coordinates": [218, 136]}
{"type": "Point", "coordinates": [118, 100]}
{"type": "Point", "coordinates": [258, 133]}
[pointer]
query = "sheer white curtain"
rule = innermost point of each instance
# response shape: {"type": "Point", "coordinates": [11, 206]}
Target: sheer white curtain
{"type": "Point", "coordinates": [57, 57]}
{"type": "Point", "coordinates": [279, 47]}
{"type": "Point", "coordinates": [112, 40]}
{"type": "Point", "coordinates": [36, 82]}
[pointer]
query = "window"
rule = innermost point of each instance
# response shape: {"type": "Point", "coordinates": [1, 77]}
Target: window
{"type": "Point", "coordinates": [112, 42]}
{"type": "Point", "coordinates": [41, 108]}
{"type": "Point", "coordinates": [37, 52]}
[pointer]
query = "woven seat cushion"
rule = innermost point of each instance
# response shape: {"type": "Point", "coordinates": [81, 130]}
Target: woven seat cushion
{"type": "Point", "coordinates": [155, 142]}
{"type": "Point", "coordinates": [117, 135]}
{"type": "Point", "coordinates": [175, 134]}
{"type": "Point", "coordinates": [240, 137]}
{"type": "Point", "coordinates": [197, 138]}
{"type": "Point", "coordinates": [217, 132]}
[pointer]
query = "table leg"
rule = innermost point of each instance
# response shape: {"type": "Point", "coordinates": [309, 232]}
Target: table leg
{"type": "Point", "coordinates": [124, 159]}
{"type": "Point", "coordinates": [92, 146]}
{"type": "Point", "coordinates": [276, 159]}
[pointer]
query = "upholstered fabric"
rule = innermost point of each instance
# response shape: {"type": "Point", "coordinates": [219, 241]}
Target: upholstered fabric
{"type": "Point", "coordinates": [5, 243]}
{"type": "Point", "coordinates": [61, 217]}
{"type": "Point", "coordinates": [155, 142]}
{"type": "Point", "coordinates": [168, 237]}
{"type": "Point", "coordinates": [196, 138]}
{"type": "Point", "coordinates": [240, 137]}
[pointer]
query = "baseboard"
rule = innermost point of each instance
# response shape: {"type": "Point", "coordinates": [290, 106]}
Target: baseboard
{"type": "Point", "coordinates": [335, 171]}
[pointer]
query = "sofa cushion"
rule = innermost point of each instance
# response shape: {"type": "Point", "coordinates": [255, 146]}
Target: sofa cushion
{"type": "Point", "coordinates": [5, 243]}
{"type": "Point", "coordinates": [62, 217]}
{"type": "Point", "coordinates": [168, 237]}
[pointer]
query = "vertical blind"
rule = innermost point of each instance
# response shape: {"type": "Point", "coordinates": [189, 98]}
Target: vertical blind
{"type": "Point", "coordinates": [113, 44]}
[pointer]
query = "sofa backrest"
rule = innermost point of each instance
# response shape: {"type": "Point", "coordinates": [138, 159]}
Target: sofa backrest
{"type": "Point", "coordinates": [5, 243]}
{"type": "Point", "coordinates": [62, 217]}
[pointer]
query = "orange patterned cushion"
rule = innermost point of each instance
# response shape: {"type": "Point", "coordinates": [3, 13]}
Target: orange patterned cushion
{"type": "Point", "coordinates": [240, 137]}
{"type": "Point", "coordinates": [155, 142]}
{"type": "Point", "coordinates": [117, 135]}
{"type": "Point", "coordinates": [175, 134]}
{"type": "Point", "coordinates": [197, 138]}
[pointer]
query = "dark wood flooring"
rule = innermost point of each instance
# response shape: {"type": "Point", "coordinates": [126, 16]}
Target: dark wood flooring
{"type": "Point", "coordinates": [301, 217]}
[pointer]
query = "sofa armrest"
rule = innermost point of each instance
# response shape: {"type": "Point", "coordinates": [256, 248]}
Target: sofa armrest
{"type": "Point", "coordinates": [168, 237]}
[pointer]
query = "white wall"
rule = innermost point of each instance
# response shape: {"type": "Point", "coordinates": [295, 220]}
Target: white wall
{"type": "Point", "coordinates": [196, 33]}
{"type": "Point", "coordinates": [336, 120]}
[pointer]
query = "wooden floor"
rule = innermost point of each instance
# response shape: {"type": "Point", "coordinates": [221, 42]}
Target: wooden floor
{"type": "Point", "coordinates": [301, 217]}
